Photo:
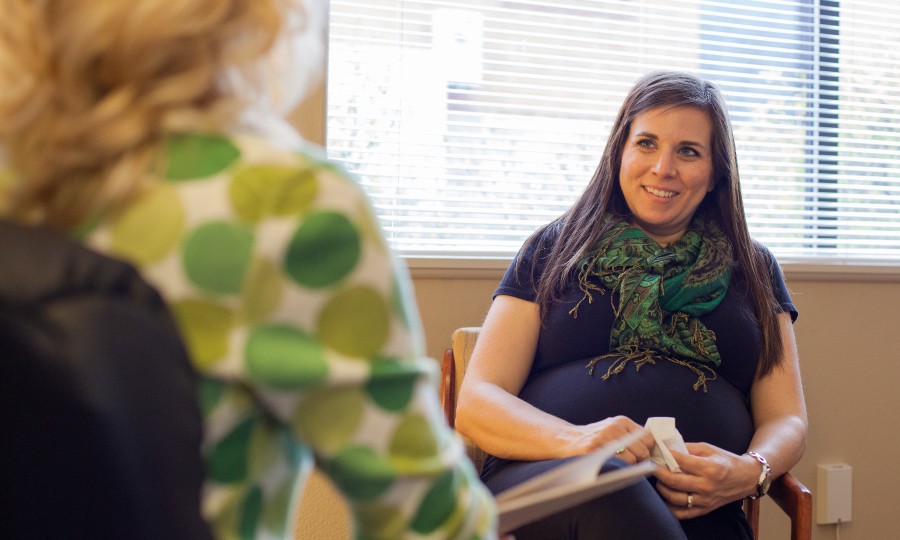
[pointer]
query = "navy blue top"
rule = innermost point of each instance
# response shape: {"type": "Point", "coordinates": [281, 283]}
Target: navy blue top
{"type": "Point", "coordinates": [559, 383]}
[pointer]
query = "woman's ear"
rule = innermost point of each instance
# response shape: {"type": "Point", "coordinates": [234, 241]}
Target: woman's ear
{"type": "Point", "coordinates": [294, 63]}
{"type": "Point", "coordinates": [276, 83]}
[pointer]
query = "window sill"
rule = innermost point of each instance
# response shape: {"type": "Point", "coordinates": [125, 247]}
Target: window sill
{"type": "Point", "coordinates": [794, 270]}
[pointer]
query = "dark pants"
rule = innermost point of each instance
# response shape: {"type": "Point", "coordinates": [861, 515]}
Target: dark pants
{"type": "Point", "coordinates": [635, 512]}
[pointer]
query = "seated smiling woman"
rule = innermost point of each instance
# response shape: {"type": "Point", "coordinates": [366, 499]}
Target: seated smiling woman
{"type": "Point", "coordinates": [646, 298]}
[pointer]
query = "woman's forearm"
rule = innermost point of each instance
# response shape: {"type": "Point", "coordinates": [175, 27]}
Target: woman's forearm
{"type": "Point", "coordinates": [505, 426]}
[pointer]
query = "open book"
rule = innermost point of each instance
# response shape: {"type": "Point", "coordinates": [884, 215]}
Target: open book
{"type": "Point", "coordinates": [572, 483]}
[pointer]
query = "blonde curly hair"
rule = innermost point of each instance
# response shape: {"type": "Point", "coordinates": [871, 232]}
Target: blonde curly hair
{"type": "Point", "coordinates": [89, 88]}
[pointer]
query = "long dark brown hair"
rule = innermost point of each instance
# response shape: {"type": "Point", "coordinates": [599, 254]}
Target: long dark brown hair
{"type": "Point", "coordinates": [580, 227]}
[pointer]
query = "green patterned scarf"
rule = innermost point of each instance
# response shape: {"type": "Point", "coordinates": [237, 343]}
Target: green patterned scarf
{"type": "Point", "coordinates": [659, 295]}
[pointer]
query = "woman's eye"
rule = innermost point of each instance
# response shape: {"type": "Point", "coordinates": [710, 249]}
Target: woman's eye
{"type": "Point", "coordinates": [688, 151]}
{"type": "Point", "coordinates": [645, 143]}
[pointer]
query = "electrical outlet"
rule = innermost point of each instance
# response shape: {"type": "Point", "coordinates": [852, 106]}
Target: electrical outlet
{"type": "Point", "coordinates": [834, 493]}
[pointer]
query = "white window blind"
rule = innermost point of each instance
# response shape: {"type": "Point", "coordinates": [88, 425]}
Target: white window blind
{"type": "Point", "coordinates": [471, 123]}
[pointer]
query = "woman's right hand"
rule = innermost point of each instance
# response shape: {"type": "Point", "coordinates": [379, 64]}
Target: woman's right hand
{"type": "Point", "coordinates": [590, 437]}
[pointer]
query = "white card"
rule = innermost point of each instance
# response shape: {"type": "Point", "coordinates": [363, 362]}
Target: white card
{"type": "Point", "coordinates": [667, 437]}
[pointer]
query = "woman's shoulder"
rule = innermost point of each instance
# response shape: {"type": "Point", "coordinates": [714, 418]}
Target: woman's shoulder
{"type": "Point", "coordinates": [763, 251]}
{"type": "Point", "coordinates": [526, 269]}
{"type": "Point", "coordinates": [255, 150]}
{"type": "Point", "coordinates": [768, 260]}
{"type": "Point", "coordinates": [217, 188]}
{"type": "Point", "coordinates": [286, 171]}
{"type": "Point", "coordinates": [772, 267]}
{"type": "Point", "coordinates": [541, 242]}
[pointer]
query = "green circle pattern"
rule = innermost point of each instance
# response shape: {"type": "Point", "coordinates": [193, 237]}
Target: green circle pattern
{"type": "Point", "coordinates": [413, 441]}
{"type": "Point", "coordinates": [150, 228]}
{"type": "Point", "coordinates": [264, 448]}
{"type": "Point", "coordinates": [284, 357]}
{"type": "Point", "coordinates": [217, 255]}
{"type": "Point", "coordinates": [392, 383]}
{"type": "Point", "coordinates": [197, 155]}
{"type": "Point", "coordinates": [227, 461]}
{"type": "Point", "coordinates": [323, 251]}
{"type": "Point", "coordinates": [267, 190]}
{"type": "Point", "coordinates": [210, 392]}
{"type": "Point", "coordinates": [438, 505]}
{"type": "Point", "coordinates": [262, 291]}
{"type": "Point", "coordinates": [355, 322]}
{"type": "Point", "coordinates": [380, 520]}
{"type": "Point", "coordinates": [360, 473]}
{"type": "Point", "coordinates": [318, 419]}
{"type": "Point", "coordinates": [205, 327]}
{"type": "Point", "coordinates": [250, 513]}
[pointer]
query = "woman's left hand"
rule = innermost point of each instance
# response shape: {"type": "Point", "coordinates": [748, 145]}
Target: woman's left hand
{"type": "Point", "coordinates": [710, 477]}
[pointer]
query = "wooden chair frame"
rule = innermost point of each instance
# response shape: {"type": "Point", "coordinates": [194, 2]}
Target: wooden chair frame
{"type": "Point", "coordinates": [787, 492]}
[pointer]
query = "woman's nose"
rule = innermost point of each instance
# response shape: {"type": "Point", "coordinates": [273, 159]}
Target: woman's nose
{"type": "Point", "coordinates": [665, 165]}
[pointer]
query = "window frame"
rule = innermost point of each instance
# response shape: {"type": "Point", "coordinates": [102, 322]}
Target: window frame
{"type": "Point", "coordinates": [794, 269]}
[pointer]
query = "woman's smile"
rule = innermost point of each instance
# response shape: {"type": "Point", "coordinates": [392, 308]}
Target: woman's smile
{"type": "Point", "coordinates": [660, 192]}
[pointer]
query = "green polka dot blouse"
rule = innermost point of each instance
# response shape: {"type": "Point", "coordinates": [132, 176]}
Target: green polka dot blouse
{"type": "Point", "coordinates": [302, 328]}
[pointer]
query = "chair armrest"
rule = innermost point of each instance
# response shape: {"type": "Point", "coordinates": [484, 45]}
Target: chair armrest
{"type": "Point", "coordinates": [793, 498]}
{"type": "Point", "coordinates": [796, 501]}
{"type": "Point", "coordinates": [448, 387]}
{"type": "Point", "coordinates": [448, 404]}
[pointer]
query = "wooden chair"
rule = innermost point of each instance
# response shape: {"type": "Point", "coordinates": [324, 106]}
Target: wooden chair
{"type": "Point", "coordinates": [786, 491]}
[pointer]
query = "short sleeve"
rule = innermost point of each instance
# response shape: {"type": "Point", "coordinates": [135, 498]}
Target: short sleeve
{"type": "Point", "coordinates": [779, 287]}
{"type": "Point", "coordinates": [524, 273]}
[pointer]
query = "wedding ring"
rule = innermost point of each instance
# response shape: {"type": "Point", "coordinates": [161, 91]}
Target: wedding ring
{"type": "Point", "coordinates": [620, 451]}
{"type": "Point", "coordinates": [690, 503]}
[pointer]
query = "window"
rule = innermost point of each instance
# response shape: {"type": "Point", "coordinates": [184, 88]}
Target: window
{"type": "Point", "coordinates": [471, 123]}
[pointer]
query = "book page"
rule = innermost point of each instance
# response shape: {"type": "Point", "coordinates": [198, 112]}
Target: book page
{"type": "Point", "coordinates": [571, 483]}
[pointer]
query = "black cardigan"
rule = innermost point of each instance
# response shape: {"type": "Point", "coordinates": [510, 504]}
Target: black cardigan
{"type": "Point", "coordinates": [101, 429]}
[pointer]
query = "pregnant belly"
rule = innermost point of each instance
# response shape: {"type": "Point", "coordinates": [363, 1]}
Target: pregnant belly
{"type": "Point", "coordinates": [720, 416]}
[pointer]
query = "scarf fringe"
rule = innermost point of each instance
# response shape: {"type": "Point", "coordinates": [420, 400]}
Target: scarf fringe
{"type": "Point", "coordinates": [700, 335]}
{"type": "Point", "coordinates": [641, 357]}
{"type": "Point", "coordinates": [586, 287]}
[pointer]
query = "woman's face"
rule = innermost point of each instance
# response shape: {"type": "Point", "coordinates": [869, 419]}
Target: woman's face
{"type": "Point", "coordinates": [667, 169]}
